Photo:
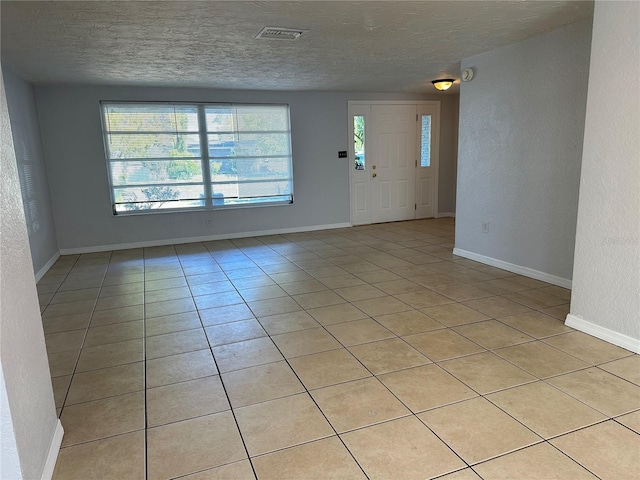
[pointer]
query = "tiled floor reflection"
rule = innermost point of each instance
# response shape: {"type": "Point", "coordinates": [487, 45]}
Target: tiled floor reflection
{"type": "Point", "coordinates": [369, 352]}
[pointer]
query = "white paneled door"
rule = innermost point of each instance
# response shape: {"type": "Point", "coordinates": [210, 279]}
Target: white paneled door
{"type": "Point", "coordinates": [394, 161]}
{"type": "Point", "coordinates": [393, 156]}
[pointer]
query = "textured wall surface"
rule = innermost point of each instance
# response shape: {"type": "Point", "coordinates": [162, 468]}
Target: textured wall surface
{"type": "Point", "coordinates": [9, 459]}
{"type": "Point", "coordinates": [31, 169]}
{"type": "Point", "coordinates": [74, 152]}
{"type": "Point", "coordinates": [606, 282]}
{"type": "Point", "coordinates": [23, 356]}
{"type": "Point", "coordinates": [448, 169]}
{"type": "Point", "coordinates": [378, 46]}
{"type": "Point", "coordinates": [520, 149]}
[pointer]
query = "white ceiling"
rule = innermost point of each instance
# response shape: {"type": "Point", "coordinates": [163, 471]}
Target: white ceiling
{"type": "Point", "coordinates": [392, 46]}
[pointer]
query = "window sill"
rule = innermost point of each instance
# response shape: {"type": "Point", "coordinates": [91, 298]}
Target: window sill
{"type": "Point", "coordinates": [200, 209]}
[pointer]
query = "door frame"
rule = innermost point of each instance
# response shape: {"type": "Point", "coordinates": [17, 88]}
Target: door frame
{"type": "Point", "coordinates": [435, 141]}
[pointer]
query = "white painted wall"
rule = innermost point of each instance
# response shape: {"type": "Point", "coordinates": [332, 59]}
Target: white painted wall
{"type": "Point", "coordinates": [74, 153]}
{"type": "Point", "coordinates": [23, 357]}
{"type": "Point", "coordinates": [606, 281]}
{"type": "Point", "coordinates": [519, 152]}
{"type": "Point", "coordinates": [31, 169]}
{"type": "Point", "coordinates": [9, 460]}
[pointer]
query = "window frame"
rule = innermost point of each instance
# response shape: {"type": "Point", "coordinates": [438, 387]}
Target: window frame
{"type": "Point", "coordinates": [205, 158]}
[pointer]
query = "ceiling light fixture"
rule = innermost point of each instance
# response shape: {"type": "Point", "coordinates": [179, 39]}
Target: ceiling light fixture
{"type": "Point", "coordinates": [443, 84]}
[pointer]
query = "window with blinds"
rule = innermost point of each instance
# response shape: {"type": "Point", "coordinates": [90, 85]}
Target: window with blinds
{"type": "Point", "coordinates": [164, 157]}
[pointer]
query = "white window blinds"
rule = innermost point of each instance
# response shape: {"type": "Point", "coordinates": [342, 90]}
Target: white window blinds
{"type": "Point", "coordinates": [177, 156]}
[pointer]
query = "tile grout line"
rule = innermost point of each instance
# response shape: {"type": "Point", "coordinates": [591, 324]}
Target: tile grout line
{"type": "Point", "coordinates": [86, 332]}
{"type": "Point", "coordinates": [323, 326]}
{"type": "Point", "coordinates": [372, 376]}
{"type": "Point", "coordinates": [78, 356]}
{"type": "Point", "coordinates": [435, 363]}
{"type": "Point", "coordinates": [308, 394]}
{"type": "Point", "coordinates": [144, 358]}
{"type": "Point", "coordinates": [285, 359]}
{"type": "Point", "coordinates": [328, 259]}
{"type": "Point", "coordinates": [231, 410]}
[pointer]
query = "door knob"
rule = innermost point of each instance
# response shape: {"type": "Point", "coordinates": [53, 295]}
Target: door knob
{"type": "Point", "coordinates": [374, 167]}
{"type": "Point", "coordinates": [374, 175]}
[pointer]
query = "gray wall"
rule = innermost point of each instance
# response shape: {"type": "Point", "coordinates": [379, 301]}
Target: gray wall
{"type": "Point", "coordinates": [520, 149]}
{"type": "Point", "coordinates": [606, 282]}
{"type": "Point", "coordinates": [31, 169]}
{"type": "Point", "coordinates": [448, 169]}
{"type": "Point", "coordinates": [72, 139]}
{"type": "Point", "coordinates": [23, 356]}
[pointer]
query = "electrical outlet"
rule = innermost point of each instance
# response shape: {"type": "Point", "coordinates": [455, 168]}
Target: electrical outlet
{"type": "Point", "coordinates": [209, 223]}
{"type": "Point", "coordinates": [485, 227]}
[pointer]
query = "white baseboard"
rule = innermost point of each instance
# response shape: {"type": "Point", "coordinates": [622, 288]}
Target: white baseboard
{"type": "Point", "coordinates": [446, 214]}
{"type": "Point", "coordinates": [606, 334]}
{"type": "Point", "coordinates": [511, 267]}
{"type": "Point", "coordinates": [40, 273]}
{"type": "Point", "coordinates": [206, 238]}
{"type": "Point", "coordinates": [52, 457]}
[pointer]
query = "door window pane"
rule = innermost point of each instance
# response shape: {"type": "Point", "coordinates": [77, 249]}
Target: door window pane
{"type": "Point", "coordinates": [358, 141]}
{"type": "Point", "coordinates": [425, 142]}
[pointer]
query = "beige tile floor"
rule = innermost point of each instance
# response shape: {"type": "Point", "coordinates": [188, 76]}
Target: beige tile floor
{"type": "Point", "coordinates": [369, 352]}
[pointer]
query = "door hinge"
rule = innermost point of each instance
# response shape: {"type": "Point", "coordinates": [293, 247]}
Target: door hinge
{"type": "Point", "coordinates": [415, 206]}
{"type": "Point", "coordinates": [416, 163]}
{"type": "Point", "coordinates": [416, 117]}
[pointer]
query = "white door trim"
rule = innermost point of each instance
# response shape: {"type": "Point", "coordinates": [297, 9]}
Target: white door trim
{"type": "Point", "coordinates": [435, 152]}
{"type": "Point", "coordinates": [368, 103]}
{"type": "Point", "coordinates": [393, 102]}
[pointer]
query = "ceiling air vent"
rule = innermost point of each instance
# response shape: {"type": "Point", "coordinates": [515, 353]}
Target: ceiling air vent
{"type": "Point", "coordinates": [277, 33]}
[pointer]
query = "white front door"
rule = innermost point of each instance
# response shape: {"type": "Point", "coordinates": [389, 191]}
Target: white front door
{"type": "Point", "coordinates": [393, 160]}
{"type": "Point", "coordinates": [427, 162]}
{"type": "Point", "coordinates": [393, 156]}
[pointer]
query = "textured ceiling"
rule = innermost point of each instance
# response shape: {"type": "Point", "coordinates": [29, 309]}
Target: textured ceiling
{"type": "Point", "coordinates": [394, 46]}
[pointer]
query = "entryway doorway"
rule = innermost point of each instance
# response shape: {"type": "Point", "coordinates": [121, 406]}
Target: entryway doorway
{"type": "Point", "coordinates": [393, 172]}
